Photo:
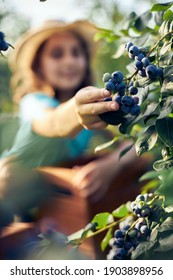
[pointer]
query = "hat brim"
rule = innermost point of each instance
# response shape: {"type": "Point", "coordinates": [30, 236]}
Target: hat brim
{"type": "Point", "coordinates": [28, 44]}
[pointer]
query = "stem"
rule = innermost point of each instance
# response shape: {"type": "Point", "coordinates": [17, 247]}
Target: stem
{"type": "Point", "coordinates": [129, 78]}
{"type": "Point", "coordinates": [81, 240]}
{"type": "Point", "coordinates": [158, 42]}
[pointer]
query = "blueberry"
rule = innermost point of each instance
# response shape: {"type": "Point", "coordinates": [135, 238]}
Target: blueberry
{"type": "Point", "coordinates": [159, 72]}
{"type": "Point", "coordinates": [145, 61]}
{"type": "Point", "coordinates": [121, 93]}
{"type": "Point", "coordinates": [119, 242]}
{"type": "Point", "coordinates": [108, 99]}
{"type": "Point", "coordinates": [138, 65]}
{"type": "Point", "coordinates": [3, 46]}
{"type": "Point", "coordinates": [133, 90]}
{"type": "Point", "coordinates": [121, 87]}
{"type": "Point", "coordinates": [135, 100]}
{"type": "Point", "coordinates": [126, 227]}
{"type": "Point", "coordinates": [139, 57]}
{"type": "Point", "coordinates": [145, 212]}
{"type": "Point", "coordinates": [2, 35]}
{"type": "Point", "coordinates": [134, 50]}
{"type": "Point", "coordinates": [142, 72]}
{"type": "Point", "coordinates": [118, 233]}
{"type": "Point", "coordinates": [106, 77]}
{"type": "Point", "coordinates": [133, 233]}
{"type": "Point", "coordinates": [117, 77]}
{"type": "Point", "coordinates": [145, 230]}
{"type": "Point", "coordinates": [127, 100]}
{"type": "Point", "coordinates": [128, 245]}
{"type": "Point", "coordinates": [109, 86]}
{"type": "Point", "coordinates": [125, 109]}
{"type": "Point", "coordinates": [132, 56]}
{"type": "Point", "coordinates": [118, 99]}
{"type": "Point", "coordinates": [130, 84]}
{"type": "Point", "coordinates": [121, 252]}
{"type": "Point", "coordinates": [151, 71]}
{"type": "Point", "coordinates": [135, 110]}
{"type": "Point", "coordinates": [140, 197]}
{"type": "Point", "coordinates": [128, 45]}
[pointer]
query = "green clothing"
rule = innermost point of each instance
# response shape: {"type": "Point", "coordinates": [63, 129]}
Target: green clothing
{"type": "Point", "coordinates": [34, 150]}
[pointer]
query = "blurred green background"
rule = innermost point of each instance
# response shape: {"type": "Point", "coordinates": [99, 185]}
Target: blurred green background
{"type": "Point", "coordinates": [108, 14]}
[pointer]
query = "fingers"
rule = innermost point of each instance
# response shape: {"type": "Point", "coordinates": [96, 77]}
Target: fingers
{"type": "Point", "coordinates": [98, 108]}
{"type": "Point", "coordinates": [90, 190]}
{"type": "Point", "coordinates": [96, 125]}
{"type": "Point", "coordinates": [91, 94]}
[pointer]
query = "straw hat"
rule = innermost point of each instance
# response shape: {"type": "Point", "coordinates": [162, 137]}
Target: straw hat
{"type": "Point", "coordinates": [28, 44]}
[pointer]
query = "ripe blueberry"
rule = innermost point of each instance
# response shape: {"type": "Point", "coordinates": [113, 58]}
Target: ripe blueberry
{"type": "Point", "coordinates": [134, 50]}
{"type": "Point", "coordinates": [109, 86]}
{"type": "Point", "coordinates": [151, 71]}
{"type": "Point", "coordinates": [128, 45]}
{"type": "Point", "coordinates": [133, 90]}
{"type": "Point", "coordinates": [117, 77]}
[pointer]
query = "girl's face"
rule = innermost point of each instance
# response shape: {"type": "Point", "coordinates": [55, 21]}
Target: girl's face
{"type": "Point", "coordinates": [63, 63]}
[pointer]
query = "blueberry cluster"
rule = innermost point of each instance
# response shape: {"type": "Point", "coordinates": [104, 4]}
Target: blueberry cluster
{"type": "Point", "coordinates": [123, 93]}
{"type": "Point", "coordinates": [142, 63]}
{"type": "Point", "coordinates": [140, 206]}
{"type": "Point", "coordinates": [3, 44]}
{"type": "Point", "coordinates": [130, 232]}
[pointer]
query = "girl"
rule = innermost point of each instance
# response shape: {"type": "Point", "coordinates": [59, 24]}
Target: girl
{"type": "Point", "coordinates": [58, 111]}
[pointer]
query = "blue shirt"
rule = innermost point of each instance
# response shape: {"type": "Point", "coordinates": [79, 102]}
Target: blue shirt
{"type": "Point", "coordinates": [35, 150]}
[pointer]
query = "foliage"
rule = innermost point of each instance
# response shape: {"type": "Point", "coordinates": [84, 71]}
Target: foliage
{"type": "Point", "coordinates": [9, 17]}
{"type": "Point", "coordinates": [152, 31]}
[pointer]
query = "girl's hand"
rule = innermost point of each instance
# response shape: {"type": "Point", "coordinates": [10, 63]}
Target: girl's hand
{"type": "Point", "coordinates": [89, 103]}
{"type": "Point", "coordinates": [94, 178]}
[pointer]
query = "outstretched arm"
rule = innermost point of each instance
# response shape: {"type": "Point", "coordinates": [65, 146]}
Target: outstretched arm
{"type": "Point", "coordinates": [80, 111]}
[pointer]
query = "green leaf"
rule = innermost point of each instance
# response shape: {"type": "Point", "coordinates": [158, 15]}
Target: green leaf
{"type": "Point", "coordinates": [121, 211]}
{"type": "Point", "coordinates": [106, 239]}
{"type": "Point", "coordinates": [125, 32]}
{"type": "Point", "coordinates": [149, 186]}
{"type": "Point", "coordinates": [165, 48]}
{"type": "Point", "coordinates": [119, 52]}
{"type": "Point", "coordinates": [142, 21]}
{"type": "Point", "coordinates": [165, 244]}
{"type": "Point", "coordinates": [169, 209]}
{"type": "Point", "coordinates": [149, 175]}
{"type": "Point", "coordinates": [161, 7]}
{"type": "Point", "coordinates": [167, 225]}
{"type": "Point", "coordinates": [105, 145]}
{"type": "Point", "coordinates": [168, 15]}
{"type": "Point", "coordinates": [107, 34]}
{"type": "Point", "coordinates": [166, 106]}
{"type": "Point", "coordinates": [158, 17]}
{"type": "Point", "coordinates": [154, 232]}
{"type": "Point", "coordinates": [165, 27]}
{"type": "Point", "coordinates": [167, 87]}
{"type": "Point", "coordinates": [168, 71]}
{"type": "Point", "coordinates": [102, 219]}
{"type": "Point", "coordinates": [143, 251]}
{"type": "Point", "coordinates": [147, 141]}
{"type": "Point", "coordinates": [164, 129]}
{"type": "Point", "coordinates": [151, 119]}
{"type": "Point", "coordinates": [125, 151]}
{"type": "Point", "coordinates": [160, 165]}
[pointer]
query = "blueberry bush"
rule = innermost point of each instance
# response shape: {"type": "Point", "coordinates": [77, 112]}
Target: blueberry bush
{"type": "Point", "coordinates": [143, 228]}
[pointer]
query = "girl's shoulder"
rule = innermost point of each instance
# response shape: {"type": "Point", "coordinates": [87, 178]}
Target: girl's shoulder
{"type": "Point", "coordinates": [33, 104]}
{"type": "Point", "coordinates": [39, 98]}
